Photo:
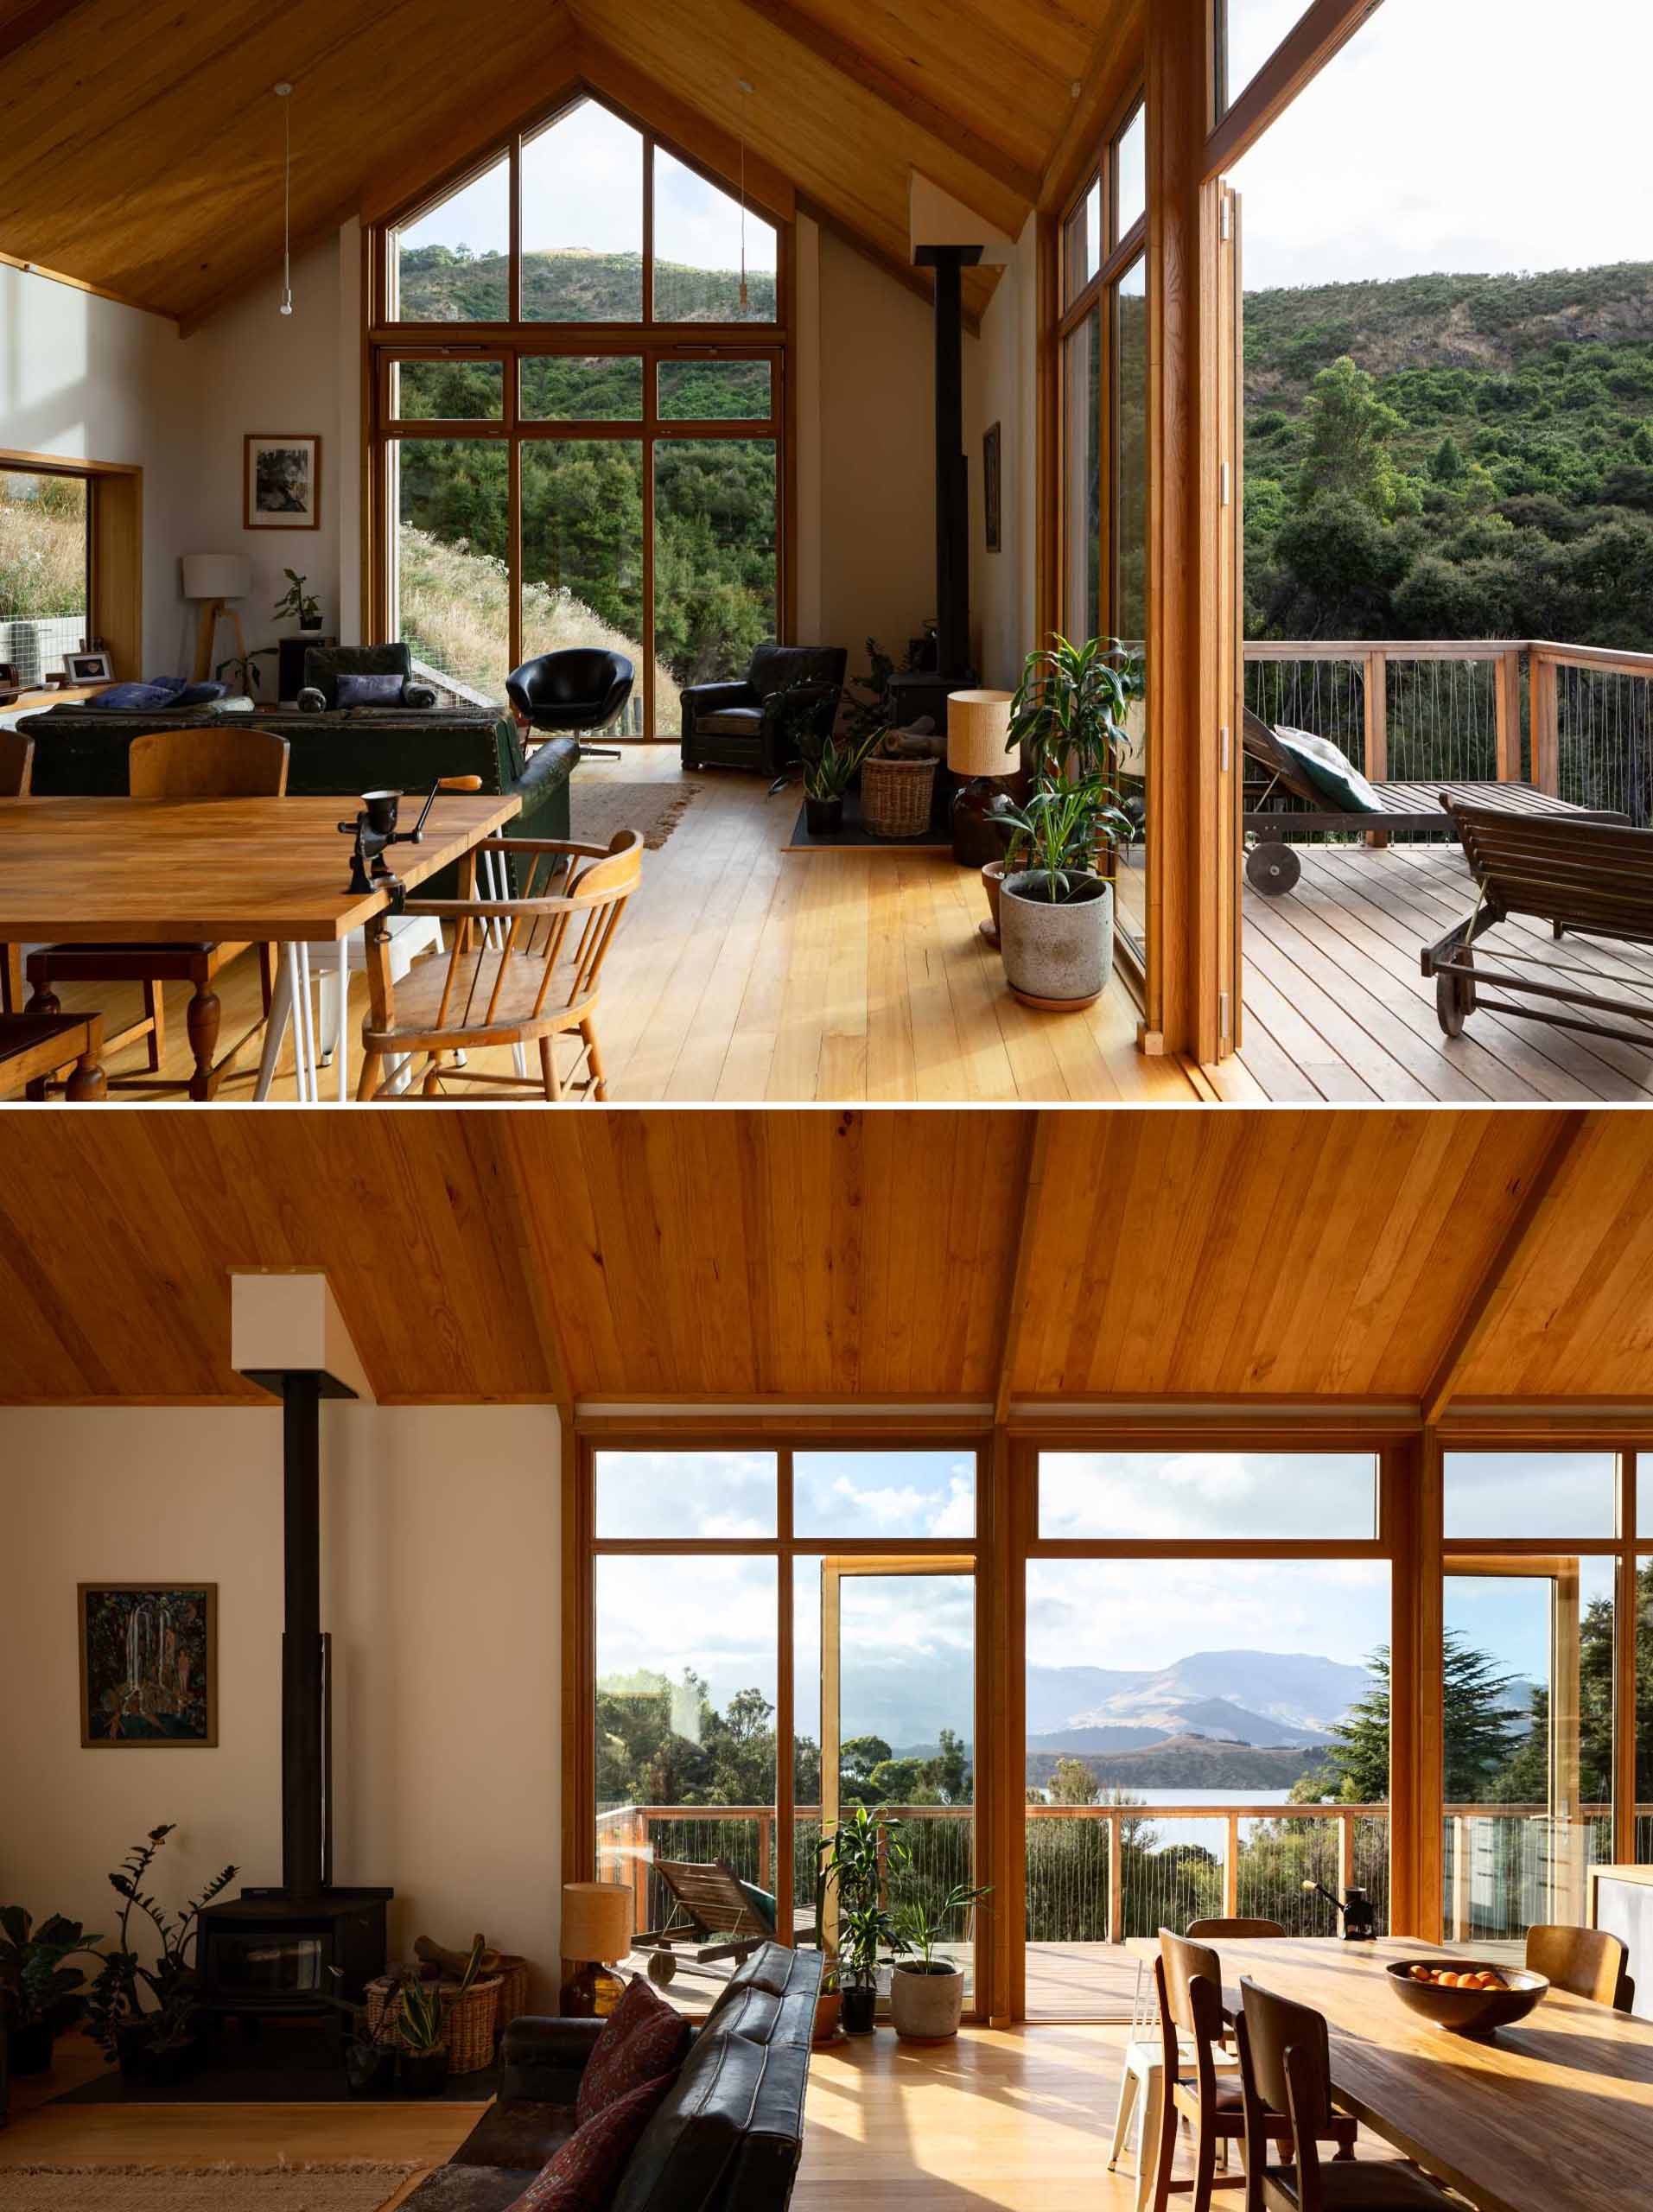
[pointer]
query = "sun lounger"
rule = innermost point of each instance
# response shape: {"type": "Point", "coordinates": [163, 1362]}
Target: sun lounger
{"type": "Point", "coordinates": [714, 1913]}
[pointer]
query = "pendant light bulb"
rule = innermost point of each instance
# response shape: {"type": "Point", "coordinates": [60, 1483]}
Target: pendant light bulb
{"type": "Point", "coordinates": [284, 93]}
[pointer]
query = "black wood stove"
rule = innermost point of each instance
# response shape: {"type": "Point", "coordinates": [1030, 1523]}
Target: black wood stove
{"type": "Point", "coordinates": [271, 1951]}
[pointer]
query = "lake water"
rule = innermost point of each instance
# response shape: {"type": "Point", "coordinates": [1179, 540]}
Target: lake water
{"type": "Point", "coordinates": [1211, 1833]}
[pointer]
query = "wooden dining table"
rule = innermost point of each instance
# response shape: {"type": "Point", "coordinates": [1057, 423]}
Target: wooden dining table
{"type": "Point", "coordinates": [241, 871]}
{"type": "Point", "coordinates": [1554, 2114]}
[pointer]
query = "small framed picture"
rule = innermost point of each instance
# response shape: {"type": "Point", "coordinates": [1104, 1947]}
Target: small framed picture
{"type": "Point", "coordinates": [148, 1664]}
{"type": "Point", "coordinates": [992, 494]}
{"type": "Point", "coordinates": [88, 668]}
{"type": "Point", "coordinates": [283, 481]}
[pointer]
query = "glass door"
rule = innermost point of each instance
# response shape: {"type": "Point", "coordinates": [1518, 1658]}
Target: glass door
{"type": "Point", "coordinates": [1529, 1780]}
{"type": "Point", "coordinates": [884, 1656]}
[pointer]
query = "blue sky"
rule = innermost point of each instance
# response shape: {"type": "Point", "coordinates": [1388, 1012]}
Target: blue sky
{"type": "Point", "coordinates": [1462, 135]}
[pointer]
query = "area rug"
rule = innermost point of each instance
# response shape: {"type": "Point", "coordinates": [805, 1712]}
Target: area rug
{"type": "Point", "coordinates": [599, 809]}
{"type": "Point", "coordinates": [362, 2185]}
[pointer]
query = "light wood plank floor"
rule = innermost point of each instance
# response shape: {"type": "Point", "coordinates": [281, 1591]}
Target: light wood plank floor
{"type": "Point", "coordinates": [1018, 2121]}
{"type": "Point", "coordinates": [741, 972]}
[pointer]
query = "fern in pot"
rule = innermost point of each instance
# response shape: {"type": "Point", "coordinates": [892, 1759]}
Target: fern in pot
{"type": "Point", "coordinates": [926, 1987]}
{"type": "Point", "coordinates": [1056, 913]}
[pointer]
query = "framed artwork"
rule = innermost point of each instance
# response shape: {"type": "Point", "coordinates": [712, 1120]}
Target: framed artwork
{"type": "Point", "coordinates": [88, 668]}
{"type": "Point", "coordinates": [991, 489]}
{"type": "Point", "coordinates": [148, 1664]}
{"type": "Point", "coordinates": [283, 481]}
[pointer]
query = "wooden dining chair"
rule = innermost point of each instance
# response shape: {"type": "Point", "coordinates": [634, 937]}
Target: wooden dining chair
{"type": "Point", "coordinates": [520, 971]}
{"type": "Point", "coordinates": [1237, 1931]}
{"type": "Point", "coordinates": [193, 763]}
{"type": "Point", "coordinates": [1587, 1961]}
{"type": "Point", "coordinates": [1200, 2086]}
{"type": "Point", "coordinates": [37, 1049]}
{"type": "Point", "coordinates": [16, 772]}
{"type": "Point", "coordinates": [1285, 2069]}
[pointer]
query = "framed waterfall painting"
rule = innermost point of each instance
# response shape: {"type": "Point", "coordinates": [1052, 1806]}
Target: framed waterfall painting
{"type": "Point", "coordinates": [148, 1664]}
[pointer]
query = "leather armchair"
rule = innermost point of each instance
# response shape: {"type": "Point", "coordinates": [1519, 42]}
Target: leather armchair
{"type": "Point", "coordinates": [788, 693]}
{"type": "Point", "coordinates": [325, 664]}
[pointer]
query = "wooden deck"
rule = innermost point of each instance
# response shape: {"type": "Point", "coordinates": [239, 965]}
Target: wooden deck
{"type": "Point", "coordinates": [1065, 1981]}
{"type": "Point", "coordinates": [1336, 1007]}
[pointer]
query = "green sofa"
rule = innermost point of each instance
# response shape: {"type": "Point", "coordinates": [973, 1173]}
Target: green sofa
{"type": "Point", "coordinates": [81, 752]}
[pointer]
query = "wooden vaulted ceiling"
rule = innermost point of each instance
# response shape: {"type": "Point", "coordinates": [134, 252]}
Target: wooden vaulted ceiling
{"type": "Point", "coordinates": [143, 149]}
{"type": "Point", "coordinates": [987, 1257]}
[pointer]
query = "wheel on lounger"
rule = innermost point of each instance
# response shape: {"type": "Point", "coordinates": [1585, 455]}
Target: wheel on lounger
{"type": "Point", "coordinates": [1272, 869]}
{"type": "Point", "coordinates": [663, 1965]}
{"type": "Point", "coordinates": [1455, 1001]}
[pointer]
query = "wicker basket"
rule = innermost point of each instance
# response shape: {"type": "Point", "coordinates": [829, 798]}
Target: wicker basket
{"type": "Point", "coordinates": [468, 2021]}
{"type": "Point", "coordinates": [895, 796]}
{"type": "Point", "coordinates": [513, 1991]}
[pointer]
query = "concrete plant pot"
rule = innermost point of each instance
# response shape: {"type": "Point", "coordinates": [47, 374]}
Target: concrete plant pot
{"type": "Point", "coordinates": [926, 2002]}
{"type": "Point", "coordinates": [1057, 957]}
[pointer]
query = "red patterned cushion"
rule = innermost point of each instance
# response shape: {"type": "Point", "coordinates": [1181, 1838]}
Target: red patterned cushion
{"type": "Point", "coordinates": [584, 2174]}
{"type": "Point", "coordinates": [642, 2038]}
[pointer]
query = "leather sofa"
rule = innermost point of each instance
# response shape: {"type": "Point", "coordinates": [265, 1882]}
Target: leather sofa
{"type": "Point", "coordinates": [789, 692]}
{"type": "Point", "coordinates": [727, 2138]}
{"type": "Point", "coordinates": [80, 753]}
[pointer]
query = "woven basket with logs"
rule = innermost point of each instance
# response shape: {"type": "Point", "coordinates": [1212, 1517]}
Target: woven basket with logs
{"type": "Point", "coordinates": [896, 789]}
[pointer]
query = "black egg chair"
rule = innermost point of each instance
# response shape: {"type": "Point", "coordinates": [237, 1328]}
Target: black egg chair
{"type": "Point", "coordinates": [582, 688]}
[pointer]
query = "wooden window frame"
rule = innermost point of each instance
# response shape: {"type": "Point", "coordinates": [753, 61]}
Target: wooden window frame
{"type": "Point", "coordinates": [584, 1547]}
{"type": "Point", "coordinates": [114, 548]}
{"type": "Point", "coordinates": [386, 338]}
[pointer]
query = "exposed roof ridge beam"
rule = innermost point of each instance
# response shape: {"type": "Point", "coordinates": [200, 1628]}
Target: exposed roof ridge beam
{"type": "Point", "coordinates": [1472, 1324]}
{"type": "Point", "coordinates": [495, 1144]}
{"type": "Point", "coordinates": [931, 114]}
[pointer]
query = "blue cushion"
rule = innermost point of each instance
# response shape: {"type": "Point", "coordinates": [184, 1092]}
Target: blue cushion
{"type": "Point", "coordinates": [1332, 775]}
{"type": "Point", "coordinates": [369, 691]}
{"type": "Point", "coordinates": [160, 693]}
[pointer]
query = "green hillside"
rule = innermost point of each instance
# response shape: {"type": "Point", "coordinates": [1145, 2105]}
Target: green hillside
{"type": "Point", "coordinates": [1452, 456]}
{"type": "Point", "coordinates": [441, 284]}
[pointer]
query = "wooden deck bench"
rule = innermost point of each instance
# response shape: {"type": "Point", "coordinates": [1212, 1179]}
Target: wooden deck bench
{"type": "Point", "coordinates": [1585, 877]}
{"type": "Point", "coordinates": [1273, 868]}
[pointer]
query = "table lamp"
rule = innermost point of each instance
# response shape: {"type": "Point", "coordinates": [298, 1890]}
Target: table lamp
{"type": "Point", "coordinates": [978, 735]}
{"type": "Point", "coordinates": [214, 579]}
{"type": "Point", "coordinates": [596, 1931]}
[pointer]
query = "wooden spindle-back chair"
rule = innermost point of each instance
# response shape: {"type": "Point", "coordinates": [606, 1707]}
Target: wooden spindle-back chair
{"type": "Point", "coordinates": [520, 971]}
{"type": "Point", "coordinates": [16, 771]}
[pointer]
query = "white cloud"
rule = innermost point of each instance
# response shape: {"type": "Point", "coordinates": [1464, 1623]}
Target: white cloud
{"type": "Point", "coordinates": [1454, 135]}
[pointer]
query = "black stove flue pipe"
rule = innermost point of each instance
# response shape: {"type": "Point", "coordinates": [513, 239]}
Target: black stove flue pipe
{"type": "Point", "coordinates": [948, 263]}
{"type": "Point", "coordinates": [305, 1857]}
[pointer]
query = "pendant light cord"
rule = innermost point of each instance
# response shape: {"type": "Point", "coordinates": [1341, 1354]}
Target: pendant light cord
{"type": "Point", "coordinates": [284, 94]}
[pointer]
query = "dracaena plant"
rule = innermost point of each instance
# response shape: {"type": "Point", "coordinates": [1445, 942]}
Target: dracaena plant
{"type": "Point", "coordinates": [34, 1979]}
{"type": "Point", "coordinates": [923, 1922]}
{"type": "Point", "coordinates": [1055, 831]}
{"type": "Point", "coordinates": [1068, 714]}
{"type": "Point", "coordinates": [162, 1997]}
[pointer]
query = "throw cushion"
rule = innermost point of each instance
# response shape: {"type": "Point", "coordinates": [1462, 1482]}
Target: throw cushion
{"type": "Point", "coordinates": [163, 693]}
{"type": "Point", "coordinates": [369, 691]}
{"type": "Point", "coordinates": [643, 2040]}
{"type": "Point", "coordinates": [584, 2175]}
{"type": "Point", "coordinates": [1337, 779]}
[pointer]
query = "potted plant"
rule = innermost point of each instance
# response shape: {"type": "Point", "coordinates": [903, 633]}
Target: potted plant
{"type": "Point", "coordinates": [829, 767]}
{"type": "Point", "coordinates": [149, 2018]}
{"type": "Point", "coordinates": [298, 605]}
{"type": "Point", "coordinates": [927, 1991]}
{"type": "Point", "coordinates": [864, 1848]}
{"type": "Point", "coordinates": [38, 1995]}
{"type": "Point", "coordinates": [242, 668]}
{"type": "Point", "coordinates": [1056, 914]}
{"type": "Point", "coordinates": [422, 2040]}
{"type": "Point", "coordinates": [371, 2054]}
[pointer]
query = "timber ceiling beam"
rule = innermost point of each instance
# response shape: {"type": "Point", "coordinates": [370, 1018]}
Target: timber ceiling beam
{"type": "Point", "coordinates": [940, 121]}
{"type": "Point", "coordinates": [1113, 72]}
{"type": "Point", "coordinates": [29, 21]}
{"type": "Point", "coordinates": [1022, 1263]}
{"type": "Point", "coordinates": [1474, 1322]}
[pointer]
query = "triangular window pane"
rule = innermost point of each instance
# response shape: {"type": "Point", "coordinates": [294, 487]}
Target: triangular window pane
{"type": "Point", "coordinates": [454, 263]}
{"type": "Point", "coordinates": [582, 220]}
{"type": "Point", "coordinates": [703, 240]}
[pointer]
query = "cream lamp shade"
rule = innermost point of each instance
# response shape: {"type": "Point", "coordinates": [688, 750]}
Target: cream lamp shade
{"type": "Point", "coordinates": [217, 575]}
{"type": "Point", "coordinates": [978, 732]}
{"type": "Point", "coordinates": [597, 1921]}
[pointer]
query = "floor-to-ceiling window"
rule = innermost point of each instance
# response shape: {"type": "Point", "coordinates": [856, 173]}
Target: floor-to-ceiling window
{"type": "Point", "coordinates": [777, 1635]}
{"type": "Point", "coordinates": [1207, 1702]}
{"type": "Point", "coordinates": [579, 360]}
{"type": "Point", "coordinates": [1103, 443]}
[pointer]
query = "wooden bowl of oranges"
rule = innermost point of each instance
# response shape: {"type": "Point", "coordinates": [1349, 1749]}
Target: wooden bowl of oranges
{"type": "Point", "coordinates": [1469, 1997]}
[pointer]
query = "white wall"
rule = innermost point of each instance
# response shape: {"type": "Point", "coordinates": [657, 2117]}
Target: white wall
{"type": "Point", "coordinates": [440, 1583]}
{"type": "Point", "coordinates": [1001, 386]}
{"type": "Point", "coordinates": [85, 379]}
